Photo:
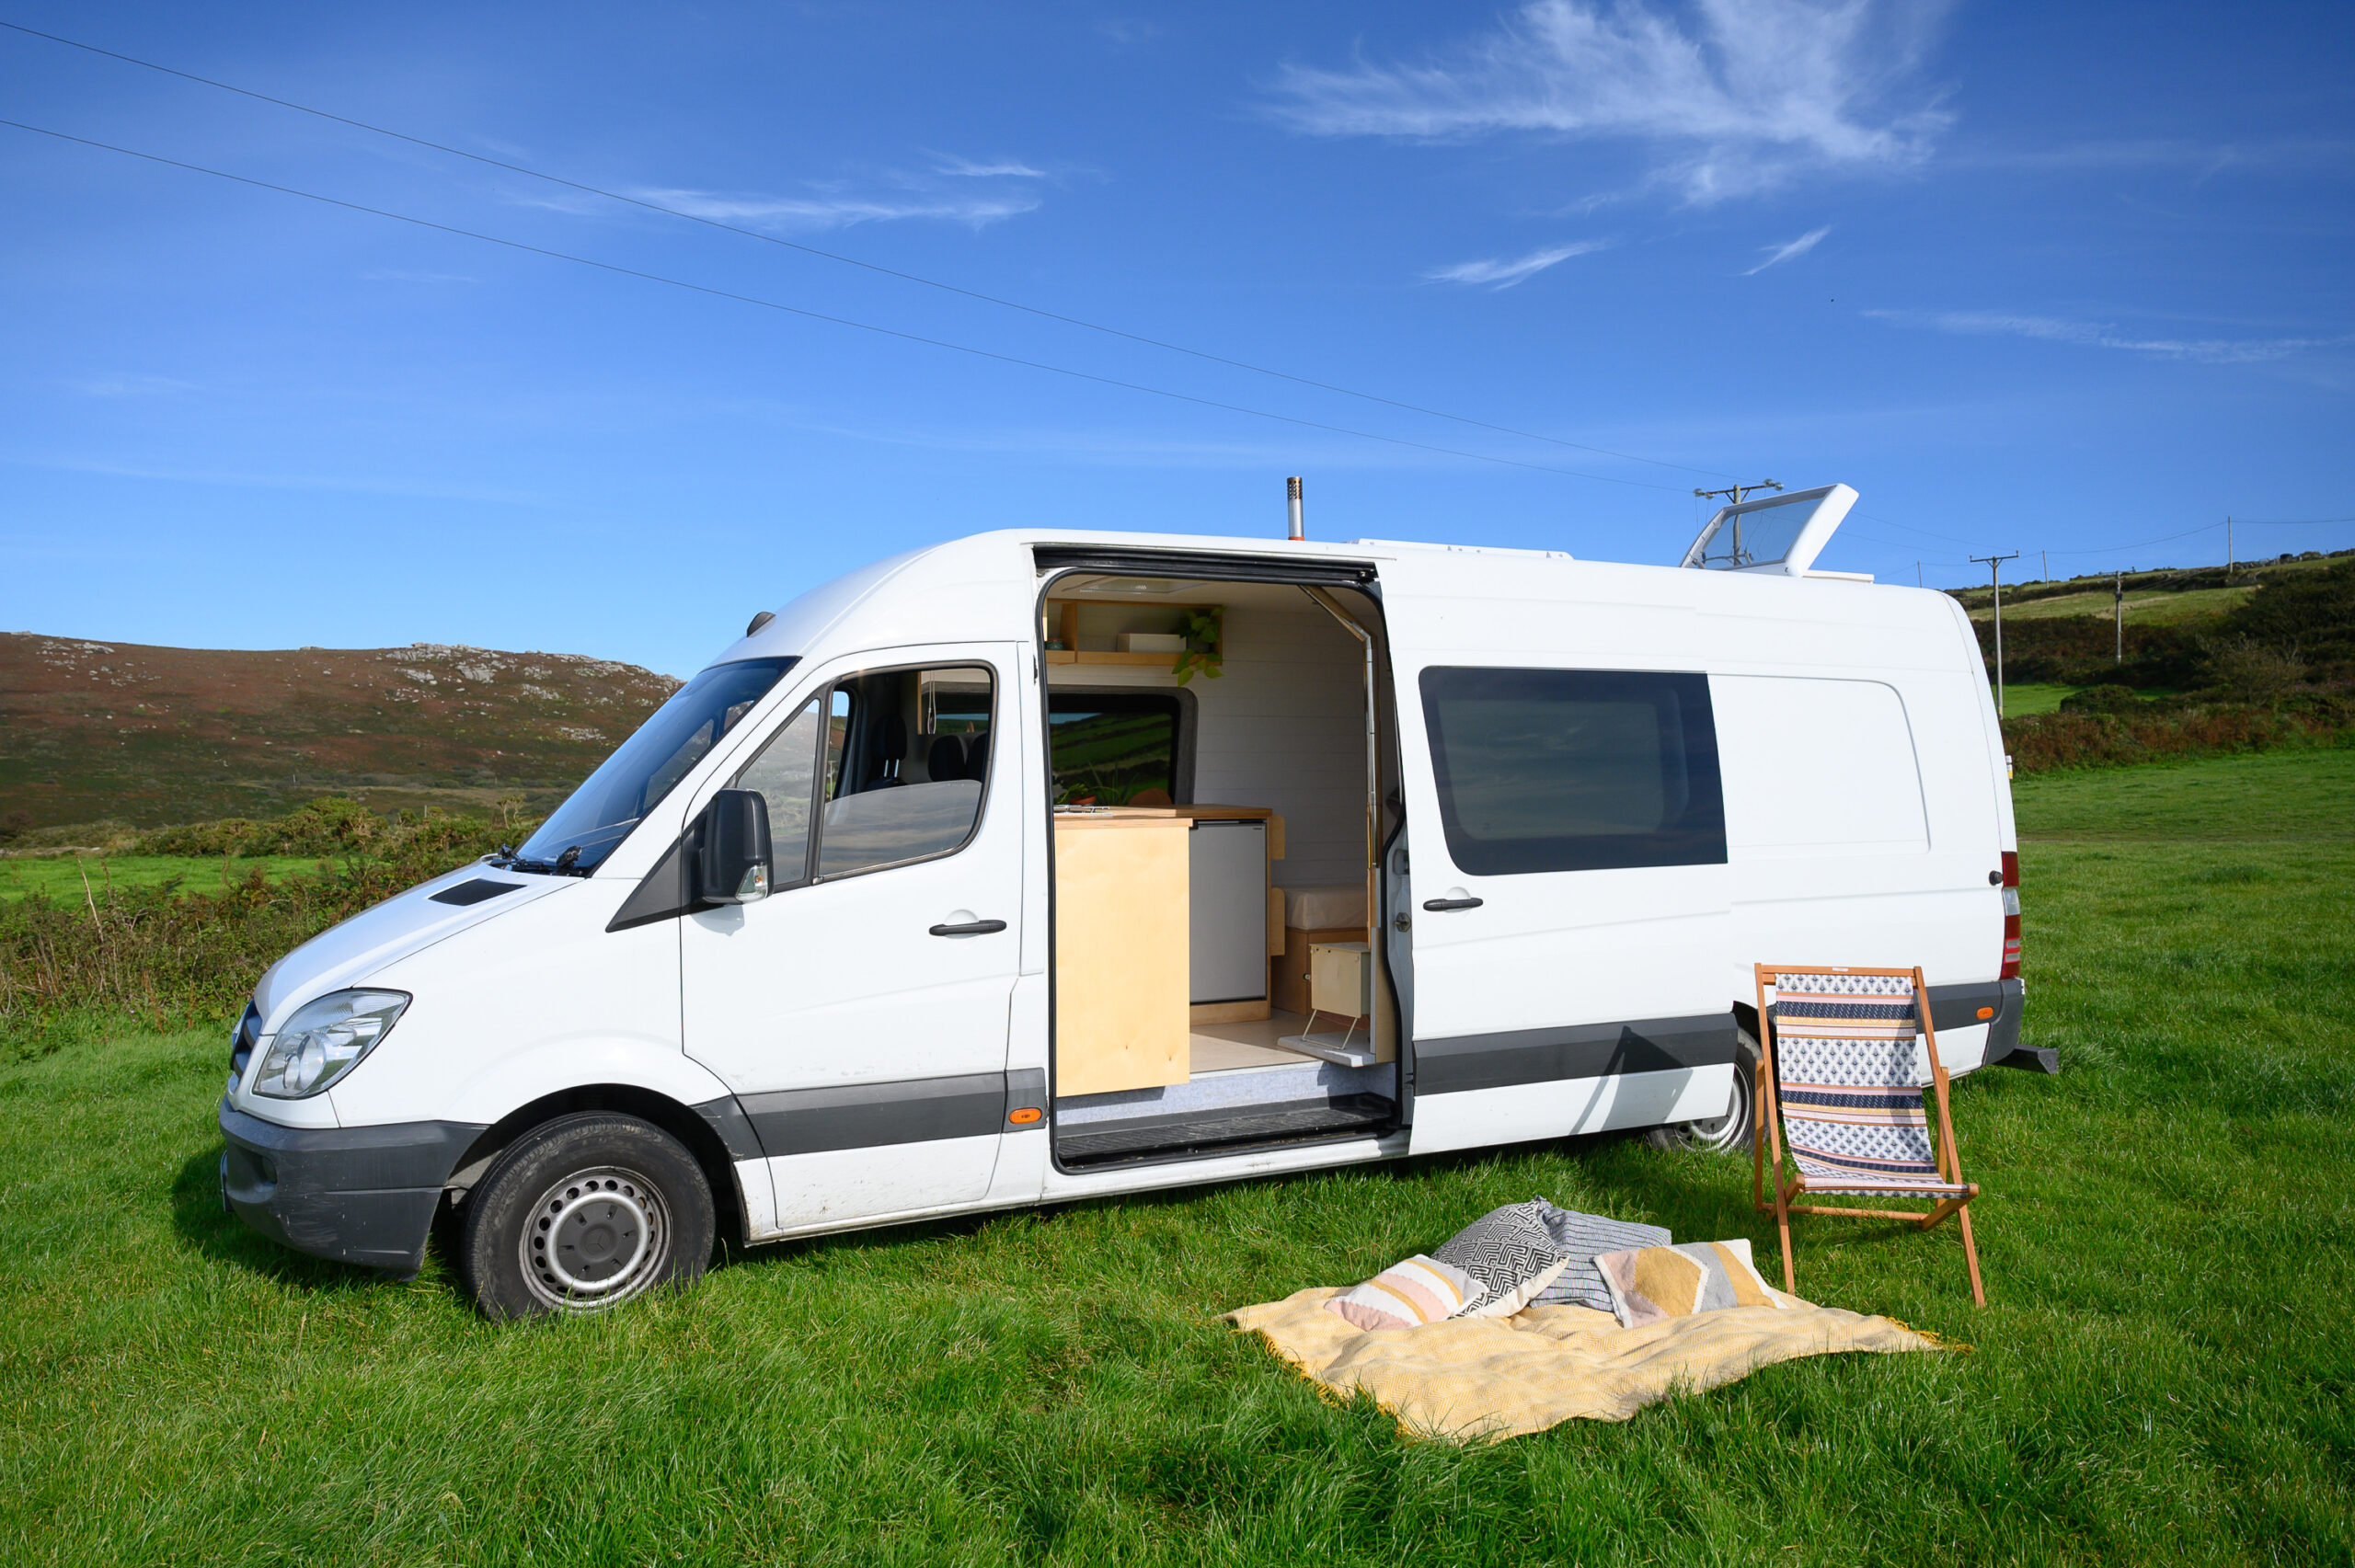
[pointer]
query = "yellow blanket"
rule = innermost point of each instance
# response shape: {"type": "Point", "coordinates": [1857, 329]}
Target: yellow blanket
{"type": "Point", "coordinates": [1477, 1378]}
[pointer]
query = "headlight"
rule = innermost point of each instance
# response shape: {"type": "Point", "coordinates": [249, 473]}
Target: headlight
{"type": "Point", "coordinates": [325, 1039]}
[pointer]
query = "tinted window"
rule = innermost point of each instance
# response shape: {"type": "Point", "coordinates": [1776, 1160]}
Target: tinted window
{"type": "Point", "coordinates": [1574, 770]}
{"type": "Point", "coordinates": [1110, 747]}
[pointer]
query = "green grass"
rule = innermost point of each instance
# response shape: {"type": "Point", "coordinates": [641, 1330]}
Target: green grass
{"type": "Point", "coordinates": [2164, 1372]}
{"type": "Point", "coordinates": [60, 876]}
{"type": "Point", "coordinates": [2034, 698]}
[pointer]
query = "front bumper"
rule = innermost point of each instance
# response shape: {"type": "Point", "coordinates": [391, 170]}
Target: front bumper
{"type": "Point", "coordinates": [361, 1195]}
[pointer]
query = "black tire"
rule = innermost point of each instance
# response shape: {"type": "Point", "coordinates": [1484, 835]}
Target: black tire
{"type": "Point", "coordinates": [1728, 1134]}
{"type": "Point", "coordinates": [582, 1214]}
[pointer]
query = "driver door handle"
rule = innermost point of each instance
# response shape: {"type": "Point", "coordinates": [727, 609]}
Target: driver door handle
{"type": "Point", "coordinates": [969, 928]}
{"type": "Point", "coordinates": [1440, 906]}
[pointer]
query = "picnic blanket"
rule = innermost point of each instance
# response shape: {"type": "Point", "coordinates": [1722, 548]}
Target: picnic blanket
{"type": "Point", "coordinates": [1475, 1377]}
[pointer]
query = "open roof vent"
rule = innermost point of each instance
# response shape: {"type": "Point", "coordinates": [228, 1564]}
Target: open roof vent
{"type": "Point", "coordinates": [1781, 534]}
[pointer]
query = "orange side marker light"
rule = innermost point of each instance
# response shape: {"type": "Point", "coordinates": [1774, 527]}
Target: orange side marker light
{"type": "Point", "coordinates": [1986, 1012]}
{"type": "Point", "coordinates": [1024, 1117]}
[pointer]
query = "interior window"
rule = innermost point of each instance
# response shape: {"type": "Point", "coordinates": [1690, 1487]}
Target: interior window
{"type": "Point", "coordinates": [1113, 748]}
{"type": "Point", "coordinates": [785, 775]}
{"type": "Point", "coordinates": [907, 757]}
{"type": "Point", "coordinates": [1574, 770]}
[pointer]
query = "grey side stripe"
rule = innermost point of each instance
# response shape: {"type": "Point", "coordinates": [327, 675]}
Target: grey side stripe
{"type": "Point", "coordinates": [872, 1116]}
{"type": "Point", "coordinates": [1579, 1050]}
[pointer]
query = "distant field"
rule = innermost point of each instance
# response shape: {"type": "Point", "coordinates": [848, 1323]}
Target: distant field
{"type": "Point", "coordinates": [2143, 607]}
{"type": "Point", "coordinates": [2163, 1373]}
{"type": "Point", "coordinates": [60, 876]}
{"type": "Point", "coordinates": [2032, 698]}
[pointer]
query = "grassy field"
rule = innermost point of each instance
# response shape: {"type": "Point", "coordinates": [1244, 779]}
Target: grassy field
{"type": "Point", "coordinates": [62, 875]}
{"type": "Point", "coordinates": [2164, 1372]}
{"type": "Point", "coordinates": [2149, 608]}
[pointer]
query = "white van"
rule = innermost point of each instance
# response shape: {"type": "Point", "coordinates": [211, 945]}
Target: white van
{"type": "Point", "coordinates": [1043, 865]}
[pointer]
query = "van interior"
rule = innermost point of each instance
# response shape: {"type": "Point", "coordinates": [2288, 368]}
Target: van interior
{"type": "Point", "coordinates": [1216, 757]}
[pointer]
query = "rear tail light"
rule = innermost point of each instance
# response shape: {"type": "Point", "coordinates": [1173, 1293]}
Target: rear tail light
{"type": "Point", "coordinates": [2011, 970]}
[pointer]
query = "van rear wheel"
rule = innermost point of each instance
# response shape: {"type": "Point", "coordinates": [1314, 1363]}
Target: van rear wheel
{"type": "Point", "coordinates": [1728, 1134]}
{"type": "Point", "coordinates": [581, 1215]}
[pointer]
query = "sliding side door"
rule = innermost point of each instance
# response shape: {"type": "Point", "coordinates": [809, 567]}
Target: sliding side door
{"type": "Point", "coordinates": [1571, 896]}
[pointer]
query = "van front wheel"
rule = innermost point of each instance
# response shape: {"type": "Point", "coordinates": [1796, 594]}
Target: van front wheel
{"type": "Point", "coordinates": [581, 1215]}
{"type": "Point", "coordinates": [1728, 1134]}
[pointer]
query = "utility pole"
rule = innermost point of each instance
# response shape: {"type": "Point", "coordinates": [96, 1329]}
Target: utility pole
{"type": "Point", "coordinates": [2046, 557]}
{"type": "Point", "coordinates": [1995, 579]}
{"type": "Point", "coordinates": [1733, 495]}
{"type": "Point", "coordinates": [2228, 549]}
{"type": "Point", "coordinates": [2117, 602]}
{"type": "Point", "coordinates": [1917, 576]}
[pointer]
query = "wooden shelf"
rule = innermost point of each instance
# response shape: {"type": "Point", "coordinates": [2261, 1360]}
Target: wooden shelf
{"type": "Point", "coordinates": [1068, 655]}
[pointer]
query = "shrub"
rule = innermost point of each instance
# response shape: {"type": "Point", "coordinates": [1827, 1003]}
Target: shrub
{"type": "Point", "coordinates": [2110, 698]}
{"type": "Point", "coordinates": [2041, 742]}
{"type": "Point", "coordinates": [163, 953]}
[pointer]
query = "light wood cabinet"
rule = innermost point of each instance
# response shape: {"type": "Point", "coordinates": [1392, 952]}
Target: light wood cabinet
{"type": "Point", "coordinates": [1121, 951]}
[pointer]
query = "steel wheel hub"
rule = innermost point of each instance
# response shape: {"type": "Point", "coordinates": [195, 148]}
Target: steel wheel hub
{"type": "Point", "coordinates": [595, 1238]}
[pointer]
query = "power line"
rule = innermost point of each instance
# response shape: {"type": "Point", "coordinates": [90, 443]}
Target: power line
{"type": "Point", "coordinates": [848, 260]}
{"type": "Point", "coordinates": [821, 316]}
{"type": "Point", "coordinates": [2140, 543]}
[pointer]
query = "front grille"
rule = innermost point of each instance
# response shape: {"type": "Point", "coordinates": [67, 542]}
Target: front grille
{"type": "Point", "coordinates": [241, 1040]}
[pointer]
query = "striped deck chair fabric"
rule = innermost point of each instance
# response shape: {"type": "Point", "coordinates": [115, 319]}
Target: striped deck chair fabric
{"type": "Point", "coordinates": [1847, 1079]}
{"type": "Point", "coordinates": [1850, 1076]}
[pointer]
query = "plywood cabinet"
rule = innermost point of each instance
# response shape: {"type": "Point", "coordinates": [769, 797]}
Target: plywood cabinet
{"type": "Point", "coordinates": [1123, 959]}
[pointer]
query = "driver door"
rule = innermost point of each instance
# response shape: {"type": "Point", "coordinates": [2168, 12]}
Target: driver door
{"type": "Point", "coordinates": [860, 1011]}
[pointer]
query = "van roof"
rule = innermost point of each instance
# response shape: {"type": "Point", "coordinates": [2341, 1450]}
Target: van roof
{"type": "Point", "coordinates": [939, 590]}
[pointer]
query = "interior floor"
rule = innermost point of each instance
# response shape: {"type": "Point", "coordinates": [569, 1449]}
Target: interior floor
{"type": "Point", "coordinates": [1231, 1048]}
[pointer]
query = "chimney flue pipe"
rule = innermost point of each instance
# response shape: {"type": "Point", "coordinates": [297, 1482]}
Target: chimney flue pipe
{"type": "Point", "coordinates": [1292, 496]}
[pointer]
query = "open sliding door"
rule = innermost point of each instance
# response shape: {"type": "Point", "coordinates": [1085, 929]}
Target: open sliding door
{"type": "Point", "coordinates": [1571, 900]}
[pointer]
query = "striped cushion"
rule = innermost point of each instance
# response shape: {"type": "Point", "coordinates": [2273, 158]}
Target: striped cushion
{"type": "Point", "coordinates": [1848, 1070]}
{"type": "Point", "coordinates": [1408, 1295]}
{"type": "Point", "coordinates": [1584, 1236]}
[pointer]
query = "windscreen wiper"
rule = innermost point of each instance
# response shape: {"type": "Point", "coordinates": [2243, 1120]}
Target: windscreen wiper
{"type": "Point", "coordinates": [565, 865]}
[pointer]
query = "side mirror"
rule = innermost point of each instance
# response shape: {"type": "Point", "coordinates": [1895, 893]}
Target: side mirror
{"type": "Point", "coordinates": [732, 857]}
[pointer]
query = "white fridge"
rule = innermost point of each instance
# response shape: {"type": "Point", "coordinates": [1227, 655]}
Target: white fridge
{"type": "Point", "coordinates": [1227, 896]}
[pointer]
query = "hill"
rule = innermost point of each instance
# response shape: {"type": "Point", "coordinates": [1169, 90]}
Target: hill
{"type": "Point", "coordinates": [2178, 623]}
{"type": "Point", "coordinates": [96, 731]}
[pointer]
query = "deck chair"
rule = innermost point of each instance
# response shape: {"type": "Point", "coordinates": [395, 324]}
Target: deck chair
{"type": "Point", "coordinates": [1839, 1090]}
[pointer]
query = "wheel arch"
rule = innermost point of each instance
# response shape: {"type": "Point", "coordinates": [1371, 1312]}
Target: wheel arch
{"type": "Point", "coordinates": [689, 1125]}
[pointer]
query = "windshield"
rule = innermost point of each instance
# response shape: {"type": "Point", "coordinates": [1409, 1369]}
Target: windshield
{"type": "Point", "coordinates": [634, 780]}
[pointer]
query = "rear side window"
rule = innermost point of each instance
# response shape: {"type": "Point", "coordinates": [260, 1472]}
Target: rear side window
{"type": "Point", "coordinates": [1574, 770]}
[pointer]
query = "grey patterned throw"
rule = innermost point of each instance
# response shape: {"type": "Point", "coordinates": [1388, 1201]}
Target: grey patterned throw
{"type": "Point", "coordinates": [1583, 1237]}
{"type": "Point", "coordinates": [1511, 1253]}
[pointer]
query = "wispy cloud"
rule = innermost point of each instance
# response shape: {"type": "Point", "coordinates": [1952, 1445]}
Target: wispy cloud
{"type": "Point", "coordinates": [839, 210]}
{"type": "Point", "coordinates": [2101, 334]}
{"type": "Point", "coordinates": [1753, 94]}
{"type": "Point", "coordinates": [1778, 253]}
{"type": "Point", "coordinates": [966, 168]}
{"type": "Point", "coordinates": [1502, 272]}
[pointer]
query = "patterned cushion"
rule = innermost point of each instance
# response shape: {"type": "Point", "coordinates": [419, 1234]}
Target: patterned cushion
{"type": "Point", "coordinates": [1407, 1295]}
{"type": "Point", "coordinates": [1848, 1071]}
{"type": "Point", "coordinates": [1656, 1283]}
{"type": "Point", "coordinates": [1511, 1253]}
{"type": "Point", "coordinates": [1583, 1236]}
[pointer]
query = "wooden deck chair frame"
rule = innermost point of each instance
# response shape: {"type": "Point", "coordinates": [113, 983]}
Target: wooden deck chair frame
{"type": "Point", "coordinates": [1767, 1126]}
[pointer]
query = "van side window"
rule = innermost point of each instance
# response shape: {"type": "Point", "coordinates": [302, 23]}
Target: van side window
{"type": "Point", "coordinates": [784, 775]}
{"type": "Point", "coordinates": [907, 761]}
{"type": "Point", "coordinates": [1574, 770]}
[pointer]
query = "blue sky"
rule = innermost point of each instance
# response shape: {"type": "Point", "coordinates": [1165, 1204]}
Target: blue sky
{"type": "Point", "coordinates": [2031, 278]}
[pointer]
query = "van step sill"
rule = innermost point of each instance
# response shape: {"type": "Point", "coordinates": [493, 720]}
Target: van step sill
{"type": "Point", "coordinates": [1154, 1134]}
